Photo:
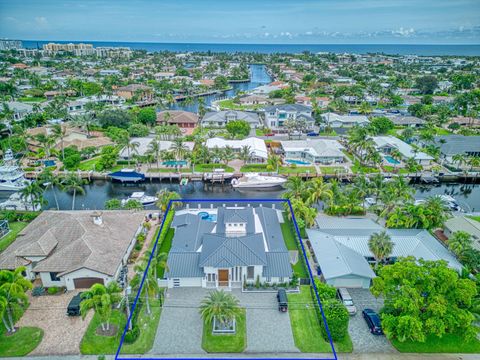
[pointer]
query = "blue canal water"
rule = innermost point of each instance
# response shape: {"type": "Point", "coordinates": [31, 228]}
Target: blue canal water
{"type": "Point", "coordinates": [401, 49]}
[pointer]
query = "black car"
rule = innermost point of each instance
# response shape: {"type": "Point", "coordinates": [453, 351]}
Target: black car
{"type": "Point", "coordinates": [282, 300]}
{"type": "Point", "coordinates": [373, 321]}
{"type": "Point", "coordinates": [73, 308]}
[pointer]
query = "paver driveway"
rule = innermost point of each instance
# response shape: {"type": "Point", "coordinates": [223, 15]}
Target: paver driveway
{"type": "Point", "coordinates": [363, 340]}
{"type": "Point", "coordinates": [62, 333]}
{"type": "Point", "coordinates": [180, 328]}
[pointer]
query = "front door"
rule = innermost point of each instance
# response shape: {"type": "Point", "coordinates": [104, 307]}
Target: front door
{"type": "Point", "coordinates": [222, 277]}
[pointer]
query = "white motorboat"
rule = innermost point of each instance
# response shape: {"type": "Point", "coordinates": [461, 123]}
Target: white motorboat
{"type": "Point", "coordinates": [140, 196]}
{"type": "Point", "coordinates": [16, 202]}
{"type": "Point", "coordinates": [217, 175]}
{"type": "Point", "coordinates": [449, 201]}
{"type": "Point", "coordinates": [256, 181]}
{"type": "Point", "coordinates": [12, 177]}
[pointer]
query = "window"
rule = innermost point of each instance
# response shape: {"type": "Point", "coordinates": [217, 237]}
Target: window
{"type": "Point", "coordinates": [280, 280]}
{"type": "Point", "coordinates": [54, 277]}
{"type": "Point", "coordinates": [250, 272]}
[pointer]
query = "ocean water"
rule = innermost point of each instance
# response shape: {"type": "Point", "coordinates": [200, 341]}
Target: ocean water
{"type": "Point", "coordinates": [393, 49]}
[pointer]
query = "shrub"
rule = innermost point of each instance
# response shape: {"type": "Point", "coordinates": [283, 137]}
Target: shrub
{"type": "Point", "coordinates": [52, 290]}
{"type": "Point", "coordinates": [325, 291]}
{"type": "Point", "coordinates": [132, 335]}
{"type": "Point", "coordinates": [141, 237]}
{"type": "Point", "coordinates": [337, 319]}
{"type": "Point", "coordinates": [38, 291]}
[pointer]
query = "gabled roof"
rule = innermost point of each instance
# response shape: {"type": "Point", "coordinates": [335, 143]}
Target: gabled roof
{"type": "Point", "coordinates": [233, 217]}
{"type": "Point", "coordinates": [41, 247]}
{"type": "Point", "coordinates": [184, 265]}
{"type": "Point", "coordinates": [245, 213]}
{"type": "Point", "coordinates": [278, 265]}
{"type": "Point", "coordinates": [220, 251]}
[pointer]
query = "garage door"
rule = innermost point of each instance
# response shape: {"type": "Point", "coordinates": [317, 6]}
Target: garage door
{"type": "Point", "coordinates": [348, 282]}
{"type": "Point", "coordinates": [85, 283]}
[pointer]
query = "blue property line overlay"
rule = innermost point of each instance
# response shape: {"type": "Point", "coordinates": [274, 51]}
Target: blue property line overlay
{"type": "Point", "coordinates": [229, 358]}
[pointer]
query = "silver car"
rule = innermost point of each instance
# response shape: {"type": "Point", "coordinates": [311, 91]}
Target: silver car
{"type": "Point", "coordinates": [347, 300]}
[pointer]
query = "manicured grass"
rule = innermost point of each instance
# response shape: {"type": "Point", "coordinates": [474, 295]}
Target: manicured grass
{"type": "Point", "coordinates": [357, 168]}
{"type": "Point", "coordinates": [32, 99]}
{"type": "Point", "coordinates": [331, 170]}
{"type": "Point", "coordinates": [226, 343]}
{"type": "Point", "coordinates": [289, 238]}
{"type": "Point", "coordinates": [15, 228]}
{"type": "Point", "coordinates": [254, 168]}
{"type": "Point", "coordinates": [449, 343]}
{"type": "Point", "coordinates": [165, 247]}
{"type": "Point", "coordinates": [210, 167]}
{"type": "Point", "coordinates": [395, 170]}
{"type": "Point", "coordinates": [22, 343]}
{"type": "Point", "coordinates": [476, 218]}
{"type": "Point", "coordinates": [259, 132]}
{"type": "Point", "coordinates": [229, 104]}
{"type": "Point", "coordinates": [170, 170]}
{"type": "Point", "coordinates": [307, 332]}
{"type": "Point", "coordinates": [297, 170]}
{"type": "Point", "coordinates": [94, 344]}
{"type": "Point", "coordinates": [90, 164]}
{"type": "Point", "coordinates": [442, 131]}
{"type": "Point", "coordinates": [148, 328]}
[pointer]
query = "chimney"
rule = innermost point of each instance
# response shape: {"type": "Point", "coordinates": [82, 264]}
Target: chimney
{"type": "Point", "coordinates": [97, 218]}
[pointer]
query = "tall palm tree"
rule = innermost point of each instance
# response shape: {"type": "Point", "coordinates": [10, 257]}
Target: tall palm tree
{"type": "Point", "coordinates": [150, 284]}
{"type": "Point", "coordinates": [74, 184]}
{"type": "Point", "coordinates": [59, 132]}
{"type": "Point", "coordinates": [178, 148]}
{"type": "Point", "coordinates": [12, 294]}
{"type": "Point", "coordinates": [245, 153]}
{"type": "Point", "coordinates": [164, 196]}
{"type": "Point", "coordinates": [130, 146]}
{"type": "Point", "coordinates": [318, 190]}
{"type": "Point", "coordinates": [48, 179]}
{"type": "Point", "coordinates": [227, 154]}
{"type": "Point", "coordinates": [221, 306]}
{"type": "Point", "coordinates": [101, 299]}
{"type": "Point", "coordinates": [459, 242]}
{"type": "Point", "coordinates": [33, 193]}
{"type": "Point", "coordinates": [274, 161]}
{"type": "Point", "coordinates": [381, 246]}
{"type": "Point", "coordinates": [154, 147]}
{"type": "Point", "coordinates": [295, 188]}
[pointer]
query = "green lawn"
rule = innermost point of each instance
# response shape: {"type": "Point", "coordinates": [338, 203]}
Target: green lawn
{"type": "Point", "coordinates": [90, 164]}
{"type": "Point", "coordinates": [95, 344]}
{"type": "Point", "coordinates": [297, 170]}
{"type": "Point", "coordinates": [449, 343]}
{"type": "Point", "coordinates": [165, 247]}
{"type": "Point", "coordinates": [210, 167]}
{"type": "Point", "coordinates": [476, 218]}
{"type": "Point", "coordinates": [254, 168]}
{"type": "Point", "coordinates": [442, 131]}
{"type": "Point", "coordinates": [307, 333]}
{"type": "Point", "coordinates": [259, 132]}
{"type": "Point", "coordinates": [332, 170]}
{"type": "Point", "coordinates": [231, 343]}
{"type": "Point", "coordinates": [170, 170]}
{"type": "Point", "coordinates": [22, 343]}
{"type": "Point", "coordinates": [31, 99]}
{"type": "Point", "coordinates": [357, 168]}
{"type": "Point", "coordinates": [148, 329]}
{"type": "Point", "coordinates": [15, 228]}
{"type": "Point", "coordinates": [299, 268]}
{"type": "Point", "coordinates": [229, 104]}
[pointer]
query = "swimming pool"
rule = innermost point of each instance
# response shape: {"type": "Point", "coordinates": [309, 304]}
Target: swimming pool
{"type": "Point", "coordinates": [297, 162]}
{"type": "Point", "coordinates": [175, 163]}
{"type": "Point", "coordinates": [391, 160]}
{"type": "Point", "coordinates": [206, 216]}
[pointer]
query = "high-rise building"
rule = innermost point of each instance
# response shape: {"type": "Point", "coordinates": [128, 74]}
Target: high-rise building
{"type": "Point", "coordinates": [77, 49]}
{"type": "Point", "coordinates": [7, 44]}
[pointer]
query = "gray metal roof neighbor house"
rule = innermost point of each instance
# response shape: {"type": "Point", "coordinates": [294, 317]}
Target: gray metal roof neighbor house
{"type": "Point", "coordinates": [242, 244]}
{"type": "Point", "coordinates": [458, 144]}
{"type": "Point", "coordinates": [221, 118]}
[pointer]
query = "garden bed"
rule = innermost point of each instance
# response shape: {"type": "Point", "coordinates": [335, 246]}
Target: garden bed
{"type": "Point", "coordinates": [226, 343]}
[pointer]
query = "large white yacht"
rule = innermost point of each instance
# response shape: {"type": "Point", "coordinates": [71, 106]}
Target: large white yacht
{"type": "Point", "coordinates": [12, 177]}
{"type": "Point", "coordinates": [256, 181]}
{"type": "Point", "coordinates": [140, 196]}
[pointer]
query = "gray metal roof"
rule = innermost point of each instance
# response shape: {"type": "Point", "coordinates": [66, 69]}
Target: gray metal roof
{"type": "Point", "coordinates": [221, 251]}
{"type": "Point", "coordinates": [289, 107]}
{"type": "Point", "coordinates": [234, 217]}
{"type": "Point", "coordinates": [189, 230]}
{"type": "Point", "coordinates": [271, 228]}
{"type": "Point", "coordinates": [338, 260]}
{"type": "Point", "coordinates": [332, 222]}
{"type": "Point", "coordinates": [278, 265]}
{"type": "Point", "coordinates": [457, 144]}
{"type": "Point", "coordinates": [225, 213]}
{"type": "Point", "coordinates": [221, 116]}
{"type": "Point", "coordinates": [184, 265]}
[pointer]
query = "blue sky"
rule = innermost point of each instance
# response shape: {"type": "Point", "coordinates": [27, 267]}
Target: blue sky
{"type": "Point", "coordinates": [244, 21]}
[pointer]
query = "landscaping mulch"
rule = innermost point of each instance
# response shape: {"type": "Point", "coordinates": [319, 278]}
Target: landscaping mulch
{"type": "Point", "coordinates": [111, 331]}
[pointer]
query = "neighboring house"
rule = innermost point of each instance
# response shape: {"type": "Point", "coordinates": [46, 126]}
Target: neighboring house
{"type": "Point", "coordinates": [340, 248]}
{"type": "Point", "coordinates": [322, 102]}
{"type": "Point", "coordinates": [144, 146]}
{"type": "Point", "coordinates": [232, 247]}
{"type": "Point", "coordinates": [463, 223]}
{"type": "Point", "coordinates": [253, 100]}
{"type": "Point", "coordinates": [387, 144]}
{"type": "Point", "coordinates": [79, 106]}
{"type": "Point", "coordinates": [340, 121]}
{"type": "Point", "coordinates": [141, 92]}
{"type": "Point", "coordinates": [20, 110]}
{"type": "Point", "coordinates": [277, 115]}
{"type": "Point", "coordinates": [222, 118]}
{"type": "Point", "coordinates": [185, 120]}
{"type": "Point", "coordinates": [451, 145]}
{"type": "Point", "coordinates": [257, 146]}
{"type": "Point", "coordinates": [411, 121]}
{"type": "Point", "coordinates": [75, 249]}
{"type": "Point", "coordinates": [318, 151]}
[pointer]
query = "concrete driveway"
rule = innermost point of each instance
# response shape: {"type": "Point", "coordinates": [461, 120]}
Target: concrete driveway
{"type": "Point", "coordinates": [363, 340]}
{"type": "Point", "coordinates": [62, 333]}
{"type": "Point", "coordinates": [180, 328]}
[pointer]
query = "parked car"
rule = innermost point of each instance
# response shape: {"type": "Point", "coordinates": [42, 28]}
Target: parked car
{"type": "Point", "coordinates": [270, 134]}
{"type": "Point", "coordinates": [347, 300]}
{"type": "Point", "coordinates": [73, 308]}
{"type": "Point", "coordinates": [373, 321]}
{"type": "Point", "coordinates": [282, 300]}
{"type": "Point", "coordinates": [313, 133]}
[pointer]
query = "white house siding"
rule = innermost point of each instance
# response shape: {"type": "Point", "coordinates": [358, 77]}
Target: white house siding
{"type": "Point", "coordinates": [83, 273]}
{"type": "Point", "coordinates": [47, 282]}
{"type": "Point", "coordinates": [185, 282]}
{"type": "Point", "coordinates": [30, 272]}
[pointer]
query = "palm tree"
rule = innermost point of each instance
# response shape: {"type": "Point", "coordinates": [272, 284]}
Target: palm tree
{"type": "Point", "coordinates": [162, 259]}
{"type": "Point", "coordinates": [101, 299]}
{"type": "Point", "coordinates": [274, 161]}
{"type": "Point", "coordinates": [130, 146]}
{"type": "Point", "coordinates": [221, 306]}
{"type": "Point", "coordinates": [164, 196]}
{"type": "Point", "coordinates": [33, 193]}
{"type": "Point", "coordinates": [459, 242]}
{"type": "Point", "coordinates": [227, 154]}
{"type": "Point", "coordinates": [150, 284]}
{"type": "Point", "coordinates": [74, 184]}
{"type": "Point", "coordinates": [436, 210]}
{"type": "Point", "coordinates": [47, 179]}
{"type": "Point", "coordinates": [46, 142]}
{"type": "Point", "coordinates": [178, 148]}
{"type": "Point", "coordinates": [295, 188]}
{"type": "Point", "coordinates": [245, 153]}
{"type": "Point", "coordinates": [12, 295]}
{"type": "Point", "coordinates": [154, 147]}
{"type": "Point", "coordinates": [318, 190]}
{"type": "Point", "coordinates": [59, 132]}
{"type": "Point", "coordinates": [381, 246]}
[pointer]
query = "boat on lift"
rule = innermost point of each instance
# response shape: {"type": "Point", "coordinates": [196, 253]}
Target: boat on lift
{"type": "Point", "coordinates": [256, 181]}
{"type": "Point", "coordinates": [127, 175]}
{"type": "Point", "coordinates": [12, 177]}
